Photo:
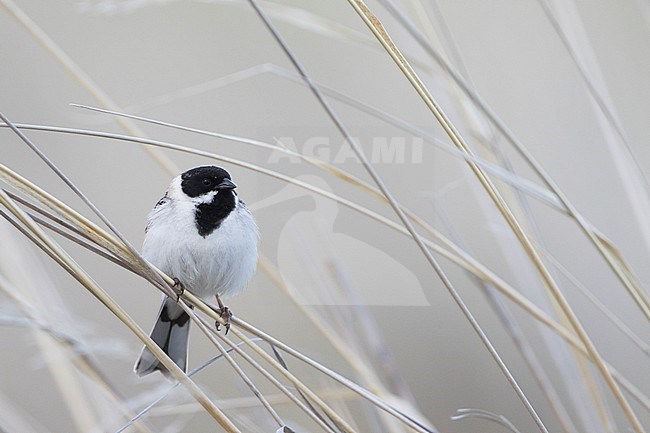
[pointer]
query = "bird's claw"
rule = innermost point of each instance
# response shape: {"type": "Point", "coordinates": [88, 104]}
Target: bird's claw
{"type": "Point", "coordinates": [225, 314]}
{"type": "Point", "coordinates": [178, 289]}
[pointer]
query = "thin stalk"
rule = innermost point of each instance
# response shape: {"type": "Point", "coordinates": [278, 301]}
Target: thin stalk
{"type": "Point", "coordinates": [80, 242]}
{"type": "Point", "coordinates": [153, 404]}
{"type": "Point", "coordinates": [507, 176]}
{"type": "Point", "coordinates": [376, 27]}
{"type": "Point", "coordinates": [65, 261]}
{"type": "Point", "coordinates": [613, 258]}
{"type": "Point", "coordinates": [402, 216]}
{"type": "Point", "coordinates": [350, 356]}
{"type": "Point", "coordinates": [525, 185]}
{"type": "Point", "coordinates": [357, 182]}
{"type": "Point", "coordinates": [100, 236]}
{"type": "Point", "coordinates": [251, 402]}
{"type": "Point", "coordinates": [205, 330]}
{"type": "Point", "coordinates": [517, 335]}
{"type": "Point", "coordinates": [454, 253]}
{"type": "Point", "coordinates": [82, 77]}
{"type": "Point", "coordinates": [215, 316]}
{"type": "Point", "coordinates": [268, 376]}
{"type": "Point", "coordinates": [451, 251]}
{"type": "Point", "coordinates": [91, 205]}
{"type": "Point", "coordinates": [344, 425]}
{"type": "Point", "coordinates": [484, 414]}
{"type": "Point", "coordinates": [337, 377]}
{"type": "Point", "coordinates": [609, 314]}
{"type": "Point", "coordinates": [600, 96]}
{"type": "Point", "coordinates": [78, 354]}
{"type": "Point", "coordinates": [410, 422]}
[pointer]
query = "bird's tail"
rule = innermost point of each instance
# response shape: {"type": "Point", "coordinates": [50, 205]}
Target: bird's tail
{"type": "Point", "coordinates": [171, 333]}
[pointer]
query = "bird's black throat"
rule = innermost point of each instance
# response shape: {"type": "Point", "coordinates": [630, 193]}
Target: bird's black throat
{"type": "Point", "coordinates": [209, 216]}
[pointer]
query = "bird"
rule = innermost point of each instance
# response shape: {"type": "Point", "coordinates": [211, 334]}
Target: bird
{"type": "Point", "coordinates": [204, 237]}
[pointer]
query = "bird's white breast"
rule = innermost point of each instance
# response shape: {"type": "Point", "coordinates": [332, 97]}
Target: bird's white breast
{"type": "Point", "coordinates": [223, 262]}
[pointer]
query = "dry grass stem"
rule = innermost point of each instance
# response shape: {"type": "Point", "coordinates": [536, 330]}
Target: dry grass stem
{"type": "Point", "coordinates": [284, 386]}
{"type": "Point", "coordinates": [80, 275]}
{"type": "Point", "coordinates": [609, 252]}
{"type": "Point", "coordinates": [375, 26]}
{"type": "Point", "coordinates": [82, 77]}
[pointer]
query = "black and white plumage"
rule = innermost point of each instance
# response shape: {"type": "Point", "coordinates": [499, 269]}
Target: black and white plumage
{"type": "Point", "coordinates": [201, 234]}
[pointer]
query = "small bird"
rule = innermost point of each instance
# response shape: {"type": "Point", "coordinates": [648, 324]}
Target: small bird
{"type": "Point", "coordinates": [202, 235]}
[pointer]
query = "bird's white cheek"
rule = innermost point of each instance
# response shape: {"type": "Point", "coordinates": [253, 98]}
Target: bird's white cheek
{"type": "Point", "coordinates": [205, 198]}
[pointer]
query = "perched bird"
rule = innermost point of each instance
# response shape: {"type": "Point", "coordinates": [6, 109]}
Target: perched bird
{"type": "Point", "coordinates": [201, 234]}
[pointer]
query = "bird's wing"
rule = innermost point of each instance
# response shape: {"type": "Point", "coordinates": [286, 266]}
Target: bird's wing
{"type": "Point", "coordinates": [161, 203]}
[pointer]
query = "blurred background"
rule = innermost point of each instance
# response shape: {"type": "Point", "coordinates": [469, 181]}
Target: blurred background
{"type": "Point", "coordinates": [568, 79]}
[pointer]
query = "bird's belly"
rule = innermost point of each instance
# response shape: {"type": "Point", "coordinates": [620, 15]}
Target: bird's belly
{"type": "Point", "coordinates": [221, 263]}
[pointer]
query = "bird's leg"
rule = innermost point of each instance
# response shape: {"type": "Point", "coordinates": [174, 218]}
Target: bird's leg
{"type": "Point", "coordinates": [178, 289]}
{"type": "Point", "coordinates": [224, 313]}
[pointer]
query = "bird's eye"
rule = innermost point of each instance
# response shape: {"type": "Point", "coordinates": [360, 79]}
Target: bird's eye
{"type": "Point", "coordinates": [207, 182]}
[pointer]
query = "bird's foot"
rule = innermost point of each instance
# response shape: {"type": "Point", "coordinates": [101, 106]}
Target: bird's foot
{"type": "Point", "coordinates": [178, 289]}
{"type": "Point", "coordinates": [225, 314]}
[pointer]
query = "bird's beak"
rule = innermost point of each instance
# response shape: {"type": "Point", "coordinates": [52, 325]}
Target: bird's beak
{"type": "Point", "coordinates": [226, 184]}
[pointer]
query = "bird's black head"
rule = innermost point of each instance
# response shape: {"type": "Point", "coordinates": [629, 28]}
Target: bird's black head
{"type": "Point", "coordinates": [202, 180]}
{"type": "Point", "coordinates": [209, 214]}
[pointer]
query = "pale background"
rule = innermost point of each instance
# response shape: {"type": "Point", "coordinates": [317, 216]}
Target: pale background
{"type": "Point", "coordinates": [137, 51]}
